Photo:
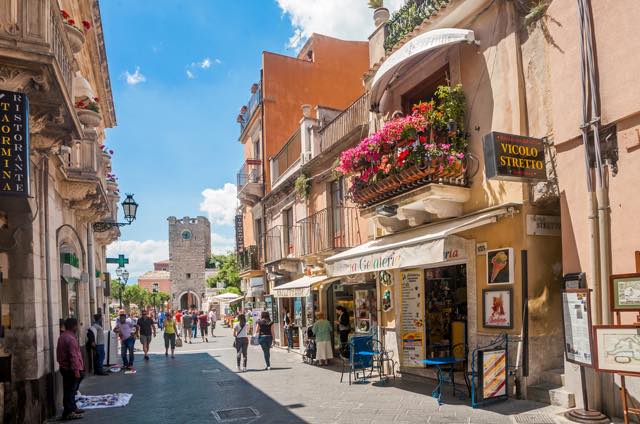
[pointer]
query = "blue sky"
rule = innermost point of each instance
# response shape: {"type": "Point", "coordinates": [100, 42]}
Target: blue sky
{"type": "Point", "coordinates": [180, 71]}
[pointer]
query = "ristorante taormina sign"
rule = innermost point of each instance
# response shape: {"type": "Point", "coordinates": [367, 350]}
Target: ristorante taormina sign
{"type": "Point", "coordinates": [14, 144]}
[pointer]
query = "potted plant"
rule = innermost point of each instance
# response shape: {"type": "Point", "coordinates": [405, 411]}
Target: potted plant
{"type": "Point", "coordinates": [74, 34]}
{"type": "Point", "coordinates": [303, 186]}
{"type": "Point", "coordinates": [89, 112]}
{"type": "Point", "coordinates": [380, 13]}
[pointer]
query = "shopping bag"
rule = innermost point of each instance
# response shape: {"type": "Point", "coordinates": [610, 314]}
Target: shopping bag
{"type": "Point", "coordinates": [178, 342]}
{"type": "Point", "coordinates": [255, 340]}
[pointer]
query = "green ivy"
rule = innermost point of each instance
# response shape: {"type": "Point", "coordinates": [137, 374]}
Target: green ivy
{"type": "Point", "coordinates": [408, 17]}
{"type": "Point", "coordinates": [303, 186]}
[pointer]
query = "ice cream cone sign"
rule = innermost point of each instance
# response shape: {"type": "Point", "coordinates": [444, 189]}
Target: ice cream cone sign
{"type": "Point", "coordinates": [500, 266]}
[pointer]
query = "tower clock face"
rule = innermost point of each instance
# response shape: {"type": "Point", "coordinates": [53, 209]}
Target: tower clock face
{"type": "Point", "coordinates": [186, 235]}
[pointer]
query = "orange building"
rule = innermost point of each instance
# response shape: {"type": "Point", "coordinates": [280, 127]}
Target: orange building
{"type": "Point", "coordinates": [159, 275]}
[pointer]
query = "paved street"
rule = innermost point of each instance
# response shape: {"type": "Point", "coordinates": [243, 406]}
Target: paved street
{"type": "Point", "coordinates": [202, 379]}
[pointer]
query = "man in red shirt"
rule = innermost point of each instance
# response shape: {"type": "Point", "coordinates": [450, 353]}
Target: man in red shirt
{"type": "Point", "coordinates": [71, 368]}
{"type": "Point", "coordinates": [203, 320]}
{"type": "Point", "coordinates": [178, 317]}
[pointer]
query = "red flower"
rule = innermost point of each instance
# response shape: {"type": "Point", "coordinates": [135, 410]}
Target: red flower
{"type": "Point", "coordinates": [64, 14]}
{"type": "Point", "coordinates": [422, 139]}
{"type": "Point", "coordinates": [86, 25]}
{"type": "Point", "coordinates": [71, 22]}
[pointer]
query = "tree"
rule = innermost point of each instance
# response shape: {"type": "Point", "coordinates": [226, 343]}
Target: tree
{"type": "Point", "coordinates": [228, 271]}
{"type": "Point", "coordinates": [162, 297]}
{"type": "Point", "coordinates": [231, 289]}
{"type": "Point", "coordinates": [116, 289]}
{"type": "Point", "coordinates": [135, 294]}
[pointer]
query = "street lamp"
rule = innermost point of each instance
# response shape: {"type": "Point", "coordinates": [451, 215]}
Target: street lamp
{"type": "Point", "coordinates": [130, 208]}
{"type": "Point", "coordinates": [154, 291]}
{"type": "Point", "coordinates": [123, 277]}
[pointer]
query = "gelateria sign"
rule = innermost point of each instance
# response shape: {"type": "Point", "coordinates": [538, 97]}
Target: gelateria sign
{"type": "Point", "coordinates": [14, 144]}
{"type": "Point", "coordinates": [514, 157]}
{"type": "Point", "coordinates": [447, 249]}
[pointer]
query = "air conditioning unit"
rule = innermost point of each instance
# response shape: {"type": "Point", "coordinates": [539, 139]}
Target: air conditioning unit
{"type": "Point", "coordinates": [305, 157]}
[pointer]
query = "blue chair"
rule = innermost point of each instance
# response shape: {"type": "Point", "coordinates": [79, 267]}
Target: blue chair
{"type": "Point", "coordinates": [360, 361]}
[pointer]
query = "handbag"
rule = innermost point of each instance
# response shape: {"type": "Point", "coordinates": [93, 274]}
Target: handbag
{"type": "Point", "coordinates": [178, 342]}
{"type": "Point", "coordinates": [255, 340]}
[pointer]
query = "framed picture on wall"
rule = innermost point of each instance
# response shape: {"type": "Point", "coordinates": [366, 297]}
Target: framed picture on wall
{"type": "Point", "coordinates": [617, 349]}
{"type": "Point", "coordinates": [625, 292]}
{"type": "Point", "coordinates": [497, 308]}
{"type": "Point", "coordinates": [500, 266]}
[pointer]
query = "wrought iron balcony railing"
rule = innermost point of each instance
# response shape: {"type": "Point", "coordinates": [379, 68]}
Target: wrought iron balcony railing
{"type": "Point", "coordinates": [245, 116]}
{"type": "Point", "coordinates": [286, 157]}
{"type": "Point", "coordinates": [248, 258]}
{"type": "Point", "coordinates": [281, 243]}
{"type": "Point", "coordinates": [329, 230]}
{"type": "Point", "coordinates": [355, 116]}
{"type": "Point", "coordinates": [408, 17]}
{"type": "Point", "coordinates": [250, 173]}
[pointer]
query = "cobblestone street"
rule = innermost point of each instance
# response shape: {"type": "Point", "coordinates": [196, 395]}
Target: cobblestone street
{"type": "Point", "coordinates": [202, 380]}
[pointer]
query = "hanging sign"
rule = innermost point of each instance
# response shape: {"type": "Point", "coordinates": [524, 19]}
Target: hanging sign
{"type": "Point", "coordinates": [412, 317]}
{"type": "Point", "coordinates": [514, 157]}
{"type": "Point", "coordinates": [14, 144]}
{"type": "Point", "coordinates": [576, 319]}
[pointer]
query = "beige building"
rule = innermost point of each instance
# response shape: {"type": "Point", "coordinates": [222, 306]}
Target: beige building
{"type": "Point", "coordinates": [51, 258]}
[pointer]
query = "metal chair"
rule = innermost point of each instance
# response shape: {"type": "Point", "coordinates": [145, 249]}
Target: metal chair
{"type": "Point", "coordinates": [358, 364]}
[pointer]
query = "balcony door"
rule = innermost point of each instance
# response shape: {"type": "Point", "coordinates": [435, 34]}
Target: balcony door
{"type": "Point", "coordinates": [337, 227]}
{"type": "Point", "coordinates": [288, 231]}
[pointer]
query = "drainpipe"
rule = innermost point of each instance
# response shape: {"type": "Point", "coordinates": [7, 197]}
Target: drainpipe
{"type": "Point", "coordinates": [92, 272]}
{"type": "Point", "coordinates": [47, 267]}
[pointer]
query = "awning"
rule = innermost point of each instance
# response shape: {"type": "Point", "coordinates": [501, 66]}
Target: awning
{"type": "Point", "coordinates": [300, 287]}
{"type": "Point", "coordinates": [427, 245]}
{"type": "Point", "coordinates": [228, 297]}
{"type": "Point", "coordinates": [411, 53]}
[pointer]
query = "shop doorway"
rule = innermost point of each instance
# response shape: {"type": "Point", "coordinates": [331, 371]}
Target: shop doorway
{"type": "Point", "coordinates": [446, 310]}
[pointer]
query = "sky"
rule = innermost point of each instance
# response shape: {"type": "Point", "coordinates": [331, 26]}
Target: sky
{"type": "Point", "coordinates": [180, 71]}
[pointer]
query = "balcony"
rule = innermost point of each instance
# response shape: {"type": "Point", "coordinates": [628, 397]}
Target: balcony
{"type": "Point", "coordinates": [408, 17]}
{"type": "Point", "coordinates": [249, 259]}
{"type": "Point", "coordinates": [250, 182]}
{"type": "Point", "coordinates": [281, 243]}
{"type": "Point", "coordinates": [351, 121]}
{"type": "Point", "coordinates": [283, 164]}
{"type": "Point", "coordinates": [329, 231]}
{"type": "Point", "coordinates": [246, 113]}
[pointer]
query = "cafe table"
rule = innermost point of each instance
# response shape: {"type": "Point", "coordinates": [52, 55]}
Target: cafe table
{"type": "Point", "coordinates": [446, 370]}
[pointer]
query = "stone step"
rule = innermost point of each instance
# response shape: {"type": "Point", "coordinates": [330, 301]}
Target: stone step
{"type": "Point", "coordinates": [554, 376]}
{"type": "Point", "coordinates": [552, 394]}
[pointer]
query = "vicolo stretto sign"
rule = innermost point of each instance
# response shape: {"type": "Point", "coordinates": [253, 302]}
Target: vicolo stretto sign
{"type": "Point", "coordinates": [14, 144]}
{"type": "Point", "coordinates": [513, 157]}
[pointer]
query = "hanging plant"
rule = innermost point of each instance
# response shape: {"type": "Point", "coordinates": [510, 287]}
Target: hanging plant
{"type": "Point", "coordinates": [303, 186]}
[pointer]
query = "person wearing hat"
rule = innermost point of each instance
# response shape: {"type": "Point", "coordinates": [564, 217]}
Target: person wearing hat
{"type": "Point", "coordinates": [126, 331]}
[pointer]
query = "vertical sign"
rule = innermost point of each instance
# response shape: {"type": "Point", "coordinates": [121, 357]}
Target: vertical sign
{"type": "Point", "coordinates": [14, 144]}
{"type": "Point", "coordinates": [239, 233]}
{"type": "Point", "coordinates": [412, 318]}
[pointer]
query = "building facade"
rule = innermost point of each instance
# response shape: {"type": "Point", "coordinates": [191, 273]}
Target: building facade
{"type": "Point", "coordinates": [52, 253]}
{"type": "Point", "coordinates": [189, 251]}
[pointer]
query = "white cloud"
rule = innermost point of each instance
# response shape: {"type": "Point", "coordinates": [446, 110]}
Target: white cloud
{"type": "Point", "coordinates": [205, 64]}
{"type": "Point", "coordinates": [221, 244]}
{"type": "Point", "coordinates": [218, 61]}
{"type": "Point", "coordinates": [190, 74]}
{"type": "Point", "coordinates": [346, 19]}
{"type": "Point", "coordinates": [220, 204]}
{"type": "Point", "coordinates": [141, 254]}
{"type": "Point", "coordinates": [136, 78]}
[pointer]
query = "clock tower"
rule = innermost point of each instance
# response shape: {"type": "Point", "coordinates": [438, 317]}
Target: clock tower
{"type": "Point", "coordinates": [189, 250]}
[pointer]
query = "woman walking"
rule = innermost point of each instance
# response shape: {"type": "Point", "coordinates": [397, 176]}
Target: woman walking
{"type": "Point", "coordinates": [322, 331]}
{"type": "Point", "coordinates": [241, 342]}
{"type": "Point", "coordinates": [343, 329]}
{"type": "Point", "coordinates": [264, 331]}
{"type": "Point", "coordinates": [170, 331]}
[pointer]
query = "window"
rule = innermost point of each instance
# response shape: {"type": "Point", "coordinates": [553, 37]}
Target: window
{"type": "Point", "coordinates": [424, 91]}
{"type": "Point", "coordinates": [188, 275]}
{"type": "Point", "coordinates": [288, 223]}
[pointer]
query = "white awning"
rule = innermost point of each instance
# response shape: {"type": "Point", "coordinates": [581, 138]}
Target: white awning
{"type": "Point", "coordinates": [228, 297]}
{"type": "Point", "coordinates": [427, 245]}
{"type": "Point", "coordinates": [300, 287]}
{"type": "Point", "coordinates": [413, 52]}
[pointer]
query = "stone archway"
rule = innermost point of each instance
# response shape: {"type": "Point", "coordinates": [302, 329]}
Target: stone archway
{"type": "Point", "coordinates": [188, 300]}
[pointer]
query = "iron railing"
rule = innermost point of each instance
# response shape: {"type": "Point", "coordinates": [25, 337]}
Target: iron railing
{"type": "Point", "coordinates": [408, 17]}
{"type": "Point", "coordinates": [281, 243]}
{"type": "Point", "coordinates": [329, 229]}
{"type": "Point", "coordinates": [254, 102]}
{"type": "Point", "coordinates": [342, 125]}
{"type": "Point", "coordinates": [248, 258]}
{"type": "Point", "coordinates": [287, 156]}
{"type": "Point", "coordinates": [250, 172]}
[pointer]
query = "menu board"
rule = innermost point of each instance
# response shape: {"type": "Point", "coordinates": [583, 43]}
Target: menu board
{"type": "Point", "coordinates": [493, 379]}
{"type": "Point", "coordinates": [576, 316]}
{"type": "Point", "coordinates": [412, 318]}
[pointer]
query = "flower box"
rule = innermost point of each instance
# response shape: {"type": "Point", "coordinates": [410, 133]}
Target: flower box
{"type": "Point", "coordinates": [75, 36]}
{"type": "Point", "coordinates": [89, 118]}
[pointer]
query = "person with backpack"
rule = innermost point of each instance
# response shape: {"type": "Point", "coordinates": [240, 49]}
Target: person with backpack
{"type": "Point", "coordinates": [241, 341]}
{"type": "Point", "coordinates": [266, 335]}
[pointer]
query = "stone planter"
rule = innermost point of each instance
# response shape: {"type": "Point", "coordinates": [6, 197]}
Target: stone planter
{"type": "Point", "coordinates": [380, 16]}
{"type": "Point", "coordinates": [75, 36]}
{"type": "Point", "coordinates": [89, 118]}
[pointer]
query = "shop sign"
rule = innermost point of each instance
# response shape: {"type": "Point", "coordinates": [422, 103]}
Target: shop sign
{"type": "Point", "coordinates": [412, 318]}
{"type": "Point", "coordinates": [513, 157]}
{"type": "Point", "coordinates": [14, 144]}
{"type": "Point", "coordinates": [576, 319]}
{"type": "Point", "coordinates": [239, 233]}
{"type": "Point", "coordinates": [543, 225]}
{"type": "Point", "coordinates": [493, 378]}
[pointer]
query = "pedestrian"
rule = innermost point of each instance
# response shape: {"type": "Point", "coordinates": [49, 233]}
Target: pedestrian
{"type": "Point", "coordinates": [322, 332]}
{"type": "Point", "coordinates": [126, 331]}
{"type": "Point", "coordinates": [96, 336]}
{"type": "Point", "coordinates": [170, 333]}
{"type": "Point", "coordinates": [264, 331]}
{"type": "Point", "coordinates": [186, 326]}
{"type": "Point", "coordinates": [241, 342]}
{"type": "Point", "coordinates": [194, 323]}
{"type": "Point", "coordinates": [178, 319]}
{"type": "Point", "coordinates": [288, 329]}
{"type": "Point", "coordinates": [161, 316]}
{"type": "Point", "coordinates": [213, 317]}
{"type": "Point", "coordinates": [203, 322]}
{"type": "Point", "coordinates": [71, 367]}
{"type": "Point", "coordinates": [147, 328]}
{"type": "Point", "coordinates": [343, 328]}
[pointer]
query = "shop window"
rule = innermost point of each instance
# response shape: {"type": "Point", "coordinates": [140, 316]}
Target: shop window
{"type": "Point", "coordinates": [424, 91]}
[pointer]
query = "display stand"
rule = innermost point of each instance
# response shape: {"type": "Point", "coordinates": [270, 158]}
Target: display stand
{"type": "Point", "coordinates": [626, 410]}
{"type": "Point", "coordinates": [495, 381]}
